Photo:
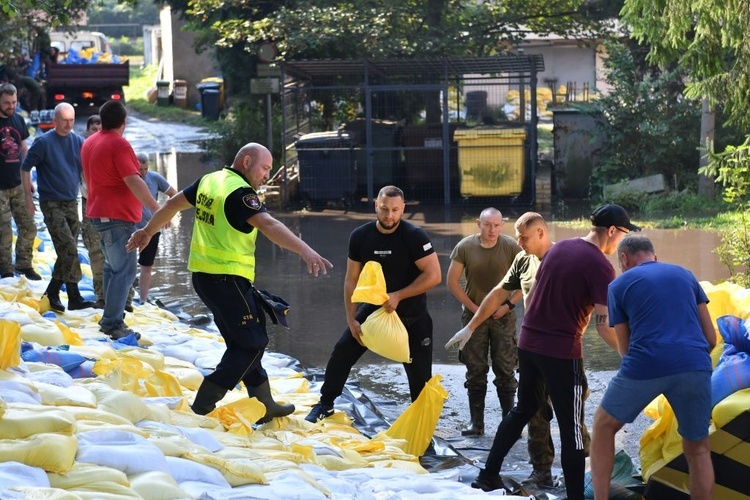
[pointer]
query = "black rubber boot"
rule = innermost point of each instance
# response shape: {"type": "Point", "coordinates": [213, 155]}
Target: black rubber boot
{"type": "Point", "coordinates": [476, 410]}
{"type": "Point", "coordinates": [507, 401]}
{"type": "Point", "coordinates": [75, 301]}
{"type": "Point", "coordinates": [207, 396]}
{"type": "Point", "coordinates": [273, 409]}
{"type": "Point", "coordinates": [53, 294]}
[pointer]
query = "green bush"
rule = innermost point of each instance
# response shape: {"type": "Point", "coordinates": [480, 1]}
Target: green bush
{"type": "Point", "coordinates": [128, 46]}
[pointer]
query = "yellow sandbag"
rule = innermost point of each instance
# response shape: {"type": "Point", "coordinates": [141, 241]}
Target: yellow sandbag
{"type": "Point", "coordinates": [83, 473]}
{"type": "Point", "coordinates": [730, 407]}
{"type": "Point", "coordinates": [103, 490]}
{"type": "Point", "coordinates": [660, 443]}
{"type": "Point", "coordinates": [71, 337]}
{"type": "Point", "coordinates": [417, 424]}
{"type": "Point", "coordinates": [371, 285]}
{"type": "Point", "coordinates": [189, 378]}
{"type": "Point", "coordinates": [10, 344]}
{"type": "Point", "coordinates": [236, 472]}
{"type": "Point", "coordinates": [348, 460]}
{"type": "Point", "coordinates": [82, 414]}
{"type": "Point", "coordinates": [405, 465]}
{"type": "Point", "coordinates": [44, 333]}
{"type": "Point", "coordinates": [239, 416]}
{"type": "Point", "coordinates": [20, 423]}
{"type": "Point", "coordinates": [75, 395]}
{"type": "Point", "coordinates": [153, 358]}
{"type": "Point", "coordinates": [3, 407]}
{"type": "Point", "coordinates": [124, 404]}
{"type": "Point", "coordinates": [51, 452]}
{"type": "Point", "coordinates": [156, 485]}
{"type": "Point", "coordinates": [383, 333]}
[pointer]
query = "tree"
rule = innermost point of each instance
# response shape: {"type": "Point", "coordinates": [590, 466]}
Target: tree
{"type": "Point", "coordinates": [708, 39]}
{"type": "Point", "coordinates": [646, 125]}
{"type": "Point", "coordinates": [310, 29]}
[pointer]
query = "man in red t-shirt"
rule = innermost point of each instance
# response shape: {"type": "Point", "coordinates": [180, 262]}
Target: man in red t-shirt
{"type": "Point", "coordinates": [116, 198]}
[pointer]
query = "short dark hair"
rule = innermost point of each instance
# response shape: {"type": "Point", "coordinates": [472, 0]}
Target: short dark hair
{"type": "Point", "coordinates": [391, 191]}
{"type": "Point", "coordinates": [633, 244]}
{"type": "Point", "coordinates": [112, 114]}
{"type": "Point", "coordinates": [8, 88]}
{"type": "Point", "coordinates": [93, 119]}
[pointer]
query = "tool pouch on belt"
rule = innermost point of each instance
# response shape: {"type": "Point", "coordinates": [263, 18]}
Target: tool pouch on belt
{"type": "Point", "coordinates": [275, 307]}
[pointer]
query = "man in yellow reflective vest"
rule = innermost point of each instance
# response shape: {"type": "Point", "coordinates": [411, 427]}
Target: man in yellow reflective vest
{"type": "Point", "coordinates": [228, 216]}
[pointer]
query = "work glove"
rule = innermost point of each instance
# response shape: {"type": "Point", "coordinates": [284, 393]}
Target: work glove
{"type": "Point", "coordinates": [460, 338]}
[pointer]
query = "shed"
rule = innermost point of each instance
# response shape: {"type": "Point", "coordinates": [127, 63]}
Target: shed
{"type": "Point", "coordinates": [405, 112]}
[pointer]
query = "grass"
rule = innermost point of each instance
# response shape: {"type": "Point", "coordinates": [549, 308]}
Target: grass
{"type": "Point", "coordinates": [142, 79]}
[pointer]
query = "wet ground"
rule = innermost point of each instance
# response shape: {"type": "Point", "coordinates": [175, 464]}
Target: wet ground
{"type": "Point", "coordinates": [317, 317]}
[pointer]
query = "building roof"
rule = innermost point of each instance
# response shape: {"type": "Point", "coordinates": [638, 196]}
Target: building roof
{"type": "Point", "coordinates": [427, 68]}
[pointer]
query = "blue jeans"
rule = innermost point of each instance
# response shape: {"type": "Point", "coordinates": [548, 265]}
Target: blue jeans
{"type": "Point", "coordinates": [119, 269]}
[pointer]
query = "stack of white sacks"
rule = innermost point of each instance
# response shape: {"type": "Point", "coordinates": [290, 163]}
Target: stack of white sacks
{"type": "Point", "coordinates": [82, 417]}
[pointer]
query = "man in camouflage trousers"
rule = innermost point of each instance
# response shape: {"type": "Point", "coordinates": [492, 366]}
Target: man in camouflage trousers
{"type": "Point", "coordinates": [57, 158]}
{"type": "Point", "coordinates": [483, 259]}
{"type": "Point", "coordinates": [13, 147]}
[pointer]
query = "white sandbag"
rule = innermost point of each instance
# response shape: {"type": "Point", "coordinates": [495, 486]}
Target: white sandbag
{"type": "Point", "coordinates": [18, 474]}
{"type": "Point", "coordinates": [198, 489]}
{"type": "Point", "coordinates": [30, 492]}
{"type": "Point", "coordinates": [200, 437]}
{"type": "Point", "coordinates": [17, 390]}
{"type": "Point", "coordinates": [54, 376]}
{"type": "Point", "coordinates": [186, 470]}
{"type": "Point", "coordinates": [120, 450]}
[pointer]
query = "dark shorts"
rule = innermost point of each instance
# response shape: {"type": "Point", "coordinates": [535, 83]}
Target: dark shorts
{"type": "Point", "coordinates": [147, 256]}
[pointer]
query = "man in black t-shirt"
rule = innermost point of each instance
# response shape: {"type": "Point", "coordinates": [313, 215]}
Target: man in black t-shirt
{"type": "Point", "coordinates": [411, 268]}
{"type": "Point", "coordinates": [13, 148]}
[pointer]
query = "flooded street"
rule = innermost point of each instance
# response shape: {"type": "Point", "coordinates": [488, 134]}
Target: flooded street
{"type": "Point", "coordinates": [317, 317]}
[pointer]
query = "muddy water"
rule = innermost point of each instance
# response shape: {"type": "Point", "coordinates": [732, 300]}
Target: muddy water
{"type": "Point", "coordinates": [317, 317]}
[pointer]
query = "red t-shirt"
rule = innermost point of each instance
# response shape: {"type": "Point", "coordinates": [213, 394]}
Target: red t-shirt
{"type": "Point", "coordinates": [574, 275]}
{"type": "Point", "coordinates": [107, 159]}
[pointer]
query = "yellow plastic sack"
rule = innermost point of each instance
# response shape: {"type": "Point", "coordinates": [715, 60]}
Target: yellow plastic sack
{"type": "Point", "coordinates": [10, 344]}
{"type": "Point", "coordinates": [371, 285]}
{"type": "Point", "coordinates": [417, 424]}
{"type": "Point", "coordinates": [383, 333]}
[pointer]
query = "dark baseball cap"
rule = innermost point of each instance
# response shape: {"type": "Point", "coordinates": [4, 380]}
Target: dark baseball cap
{"type": "Point", "coordinates": [612, 215]}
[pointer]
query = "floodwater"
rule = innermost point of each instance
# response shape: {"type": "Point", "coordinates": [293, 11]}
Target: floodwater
{"type": "Point", "coordinates": [317, 318]}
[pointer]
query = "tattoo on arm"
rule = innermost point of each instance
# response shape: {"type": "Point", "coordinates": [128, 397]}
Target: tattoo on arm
{"type": "Point", "coordinates": [601, 319]}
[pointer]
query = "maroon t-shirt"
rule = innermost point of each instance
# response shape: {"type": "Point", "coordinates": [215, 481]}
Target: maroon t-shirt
{"type": "Point", "coordinates": [573, 276]}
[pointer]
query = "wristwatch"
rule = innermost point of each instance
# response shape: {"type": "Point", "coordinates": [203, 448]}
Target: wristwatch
{"type": "Point", "coordinates": [510, 304]}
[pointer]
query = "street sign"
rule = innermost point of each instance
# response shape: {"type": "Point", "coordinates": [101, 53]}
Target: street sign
{"type": "Point", "coordinates": [264, 85]}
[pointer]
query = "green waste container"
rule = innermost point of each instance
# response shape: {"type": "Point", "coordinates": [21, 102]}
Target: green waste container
{"type": "Point", "coordinates": [162, 93]}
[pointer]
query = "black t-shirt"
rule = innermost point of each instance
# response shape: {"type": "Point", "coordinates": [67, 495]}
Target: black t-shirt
{"type": "Point", "coordinates": [397, 253]}
{"type": "Point", "coordinates": [13, 131]}
{"type": "Point", "coordinates": [239, 206]}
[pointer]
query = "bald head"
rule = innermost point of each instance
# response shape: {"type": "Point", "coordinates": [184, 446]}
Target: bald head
{"type": "Point", "coordinates": [254, 161]}
{"type": "Point", "coordinates": [64, 119]}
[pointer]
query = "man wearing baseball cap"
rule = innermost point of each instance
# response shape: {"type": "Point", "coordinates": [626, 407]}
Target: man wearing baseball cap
{"type": "Point", "coordinates": [571, 284]}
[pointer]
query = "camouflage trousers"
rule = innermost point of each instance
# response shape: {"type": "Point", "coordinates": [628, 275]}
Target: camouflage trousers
{"type": "Point", "coordinates": [493, 342]}
{"type": "Point", "coordinates": [13, 202]}
{"type": "Point", "coordinates": [61, 219]}
{"type": "Point", "coordinates": [541, 448]}
{"type": "Point", "coordinates": [96, 256]}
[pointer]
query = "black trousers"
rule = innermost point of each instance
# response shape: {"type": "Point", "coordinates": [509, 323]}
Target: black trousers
{"type": "Point", "coordinates": [565, 382]}
{"type": "Point", "coordinates": [347, 352]}
{"type": "Point", "coordinates": [241, 321]}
